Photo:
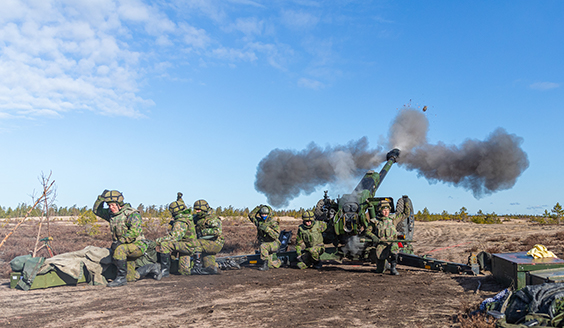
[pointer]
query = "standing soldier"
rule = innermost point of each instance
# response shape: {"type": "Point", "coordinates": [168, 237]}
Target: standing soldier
{"type": "Point", "coordinates": [310, 234]}
{"type": "Point", "coordinates": [128, 242]}
{"type": "Point", "coordinates": [268, 231]}
{"type": "Point", "coordinates": [182, 238]}
{"type": "Point", "coordinates": [381, 230]}
{"type": "Point", "coordinates": [210, 238]}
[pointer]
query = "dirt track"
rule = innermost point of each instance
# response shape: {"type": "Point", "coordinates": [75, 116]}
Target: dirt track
{"type": "Point", "coordinates": [336, 296]}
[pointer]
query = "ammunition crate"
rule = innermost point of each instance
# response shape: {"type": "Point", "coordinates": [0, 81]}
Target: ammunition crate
{"type": "Point", "coordinates": [510, 269]}
{"type": "Point", "coordinates": [544, 276]}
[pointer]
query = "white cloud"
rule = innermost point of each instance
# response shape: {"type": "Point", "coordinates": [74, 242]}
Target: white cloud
{"type": "Point", "coordinates": [298, 19]}
{"type": "Point", "coordinates": [544, 85]}
{"type": "Point", "coordinates": [58, 56]}
{"type": "Point", "coordinates": [310, 84]}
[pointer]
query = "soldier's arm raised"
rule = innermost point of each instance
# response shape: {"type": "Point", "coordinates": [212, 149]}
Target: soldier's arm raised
{"type": "Point", "coordinates": [99, 209]}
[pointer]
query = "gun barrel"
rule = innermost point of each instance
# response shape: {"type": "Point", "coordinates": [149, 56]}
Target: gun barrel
{"type": "Point", "coordinates": [371, 180]}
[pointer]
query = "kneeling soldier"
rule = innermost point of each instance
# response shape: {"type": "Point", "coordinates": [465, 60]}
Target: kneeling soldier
{"type": "Point", "coordinates": [268, 232]}
{"type": "Point", "coordinates": [382, 229]}
{"type": "Point", "coordinates": [182, 239]}
{"type": "Point", "coordinates": [128, 242]}
{"type": "Point", "coordinates": [310, 234]}
{"type": "Point", "coordinates": [210, 238]}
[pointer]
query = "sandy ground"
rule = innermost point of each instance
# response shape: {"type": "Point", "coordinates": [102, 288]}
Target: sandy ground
{"type": "Point", "coordinates": [335, 296]}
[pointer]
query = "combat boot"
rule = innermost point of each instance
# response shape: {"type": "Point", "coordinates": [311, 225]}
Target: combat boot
{"type": "Point", "coordinates": [393, 263]}
{"type": "Point", "coordinates": [264, 266]}
{"type": "Point", "coordinates": [317, 264]}
{"type": "Point", "coordinates": [211, 270]}
{"type": "Point", "coordinates": [121, 279]}
{"type": "Point", "coordinates": [198, 269]}
{"type": "Point", "coordinates": [165, 265]}
{"type": "Point", "coordinates": [153, 268]}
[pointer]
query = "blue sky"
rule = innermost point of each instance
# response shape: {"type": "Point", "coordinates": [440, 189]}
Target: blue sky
{"type": "Point", "coordinates": [152, 98]}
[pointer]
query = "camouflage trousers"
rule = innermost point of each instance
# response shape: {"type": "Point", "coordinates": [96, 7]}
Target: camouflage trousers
{"type": "Point", "coordinates": [266, 253]}
{"type": "Point", "coordinates": [185, 249]}
{"type": "Point", "coordinates": [380, 253]}
{"type": "Point", "coordinates": [129, 252]}
{"type": "Point", "coordinates": [209, 248]}
{"type": "Point", "coordinates": [310, 256]}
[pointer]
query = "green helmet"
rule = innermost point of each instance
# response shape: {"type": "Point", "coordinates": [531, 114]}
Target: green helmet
{"type": "Point", "coordinates": [264, 210]}
{"type": "Point", "coordinates": [201, 205]}
{"type": "Point", "coordinates": [176, 207]}
{"type": "Point", "coordinates": [113, 196]}
{"type": "Point", "coordinates": [308, 216]}
{"type": "Point", "coordinates": [384, 204]}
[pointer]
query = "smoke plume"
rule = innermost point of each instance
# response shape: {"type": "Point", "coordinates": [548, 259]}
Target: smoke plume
{"type": "Point", "coordinates": [482, 167]}
{"type": "Point", "coordinates": [283, 174]}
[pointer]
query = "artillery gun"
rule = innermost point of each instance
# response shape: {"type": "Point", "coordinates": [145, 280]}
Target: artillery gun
{"type": "Point", "coordinates": [349, 214]}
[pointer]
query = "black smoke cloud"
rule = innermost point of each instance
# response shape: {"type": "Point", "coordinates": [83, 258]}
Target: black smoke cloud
{"type": "Point", "coordinates": [482, 167]}
{"type": "Point", "coordinates": [283, 174]}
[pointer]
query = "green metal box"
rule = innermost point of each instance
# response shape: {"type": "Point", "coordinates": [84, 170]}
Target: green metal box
{"type": "Point", "coordinates": [543, 276]}
{"type": "Point", "coordinates": [512, 268]}
{"type": "Point", "coordinates": [50, 279]}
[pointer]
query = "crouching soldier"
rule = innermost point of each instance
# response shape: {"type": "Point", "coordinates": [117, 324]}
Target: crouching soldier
{"type": "Point", "coordinates": [182, 239]}
{"type": "Point", "coordinates": [210, 238]}
{"type": "Point", "coordinates": [310, 235]}
{"type": "Point", "coordinates": [268, 232]}
{"type": "Point", "coordinates": [128, 242]}
{"type": "Point", "coordinates": [382, 230]}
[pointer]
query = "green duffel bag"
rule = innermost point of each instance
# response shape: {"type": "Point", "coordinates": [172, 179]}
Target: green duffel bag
{"type": "Point", "coordinates": [18, 262]}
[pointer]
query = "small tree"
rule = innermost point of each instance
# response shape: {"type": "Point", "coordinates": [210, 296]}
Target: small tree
{"type": "Point", "coordinates": [558, 212]}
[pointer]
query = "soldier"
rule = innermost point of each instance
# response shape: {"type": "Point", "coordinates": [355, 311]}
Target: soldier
{"type": "Point", "coordinates": [182, 239]}
{"type": "Point", "coordinates": [210, 238]}
{"type": "Point", "coordinates": [382, 229]}
{"type": "Point", "coordinates": [268, 231]}
{"type": "Point", "coordinates": [128, 242]}
{"type": "Point", "coordinates": [310, 234]}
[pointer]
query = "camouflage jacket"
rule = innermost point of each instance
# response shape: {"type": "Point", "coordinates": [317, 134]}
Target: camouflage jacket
{"type": "Point", "coordinates": [183, 229]}
{"type": "Point", "coordinates": [208, 226]}
{"type": "Point", "coordinates": [382, 228]}
{"type": "Point", "coordinates": [267, 230]}
{"type": "Point", "coordinates": [310, 236]}
{"type": "Point", "coordinates": [125, 225]}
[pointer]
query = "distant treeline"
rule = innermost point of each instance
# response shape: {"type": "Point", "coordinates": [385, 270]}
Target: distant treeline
{"type": "Point", "coordinates": [152, 211]}
{"type": "Point", "coordinates": [554, 216]}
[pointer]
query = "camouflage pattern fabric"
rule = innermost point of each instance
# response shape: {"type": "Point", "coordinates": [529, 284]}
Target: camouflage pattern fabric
{"type": "Point", "coordinates": [125, 226]}
{"type": "Point", "coordinates": [267, 251]}
{"type": "Point", "coordinates": [210, 237]}
{"type": "Point", "coordinates": [132, 274]}
{"type": "Point", "coordinates": [268, 232]}
{"type": "Point", "coordinates": [310, 256]}
{"type": "Point", "coordinates": [311, 238]}
{"type": "Point", "coordinates": [382, 229]}
{"type": "Point", "coordinates": [183, 239]}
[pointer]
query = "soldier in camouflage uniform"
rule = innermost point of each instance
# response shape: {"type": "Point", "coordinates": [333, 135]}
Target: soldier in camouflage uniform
{"type": "Point", "coordinates": [380, 230]}
{"type": "Point", "coordinates": [268, 232]}
{"type": "Point", "coordinates": [210, 238]}
{"type": "Point", "coordinates": [182, 239]}
{"type": "Point", "coordinates": [128, 242]}
{"type": "Point", "coordinates": [310, 234]}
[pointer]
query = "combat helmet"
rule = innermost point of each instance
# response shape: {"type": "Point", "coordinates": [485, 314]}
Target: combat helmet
{"type": "Point", "coordinates": [308, 216]}
{"type": "Point", "coordinates": [113, 196]}
{"type": "Point", "coordinates": [264, 210]}
{"type": "Point", "coordinates": [177, 206]}
{"type": "Point", "coordinates": [202, 205]}
{"type": "Point", "coordinates": [384, 204]}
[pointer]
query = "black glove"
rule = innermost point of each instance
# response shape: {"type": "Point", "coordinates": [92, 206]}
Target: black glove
{"type": "Point", "coordinates": [115, 244]}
